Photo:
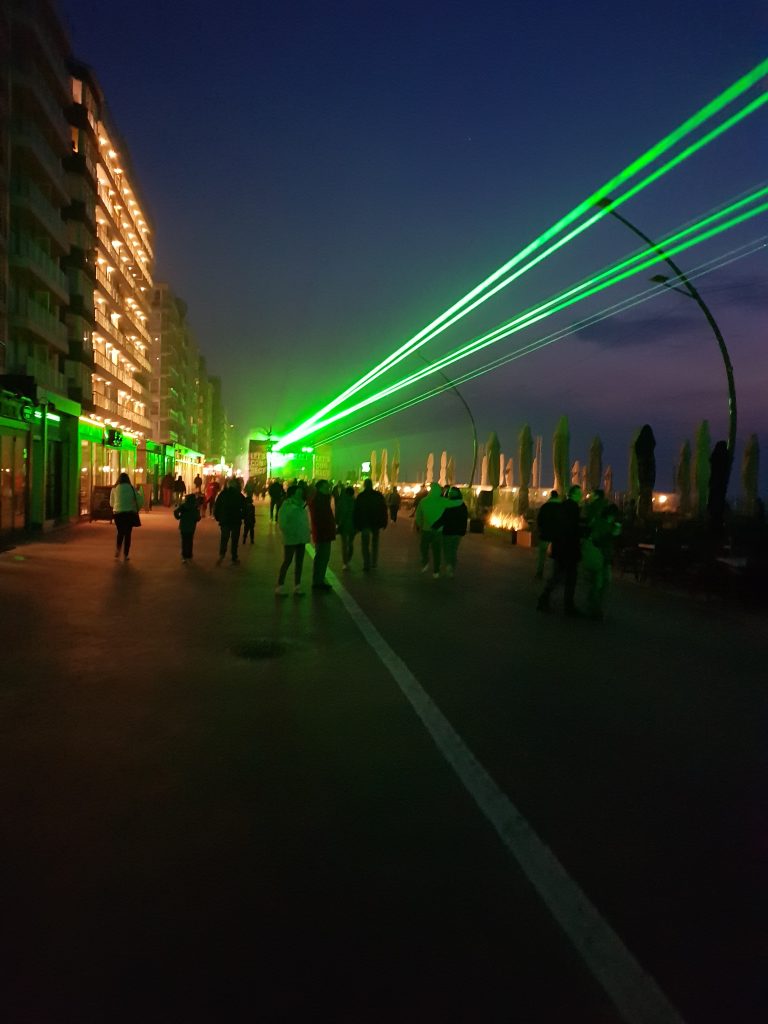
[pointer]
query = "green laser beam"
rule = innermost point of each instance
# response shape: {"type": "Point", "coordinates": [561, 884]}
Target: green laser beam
{"type": "Point", "coordinates": [726, 97]}
{"type": "Point", "coordinates": [710, 266]}
{"type": "Point", "coordinates": [592, 286]}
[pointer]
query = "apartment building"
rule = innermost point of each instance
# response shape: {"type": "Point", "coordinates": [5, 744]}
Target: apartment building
{"type": "Point", "coordinates": [38, 425]}
{"type": "Point", "coordinates": [76, 287]}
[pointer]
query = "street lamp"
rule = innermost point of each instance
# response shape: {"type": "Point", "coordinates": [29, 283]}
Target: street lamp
{"type": "Point", "coordinates": [469, 413]}
{"type": "Point", "coordinates": [692, 293]}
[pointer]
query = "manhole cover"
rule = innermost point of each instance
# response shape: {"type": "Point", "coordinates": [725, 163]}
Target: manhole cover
{"type": "Point", "coordinates": [259, 648]}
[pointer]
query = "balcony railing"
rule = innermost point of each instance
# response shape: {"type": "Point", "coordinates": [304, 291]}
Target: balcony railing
{"type": "Point", "coordinates": [26, 253]}
{"type": "Point", "coordinates": [29, 315]}
{"type": "Point", "coordinates": [103, 403]}
{"type": "Point", "coordinates": [28, 135]}
{"type": "Point", "coordinates": [37, 85]}
{"type": "Point", "coordinates": [25, 193]}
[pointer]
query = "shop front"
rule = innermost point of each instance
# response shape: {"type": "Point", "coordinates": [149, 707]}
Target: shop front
{"type": "Point", "coordinates": [14, 464]}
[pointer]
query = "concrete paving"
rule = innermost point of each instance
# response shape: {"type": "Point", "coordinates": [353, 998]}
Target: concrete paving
{"type": "Point", "coordinates": [219, 805]}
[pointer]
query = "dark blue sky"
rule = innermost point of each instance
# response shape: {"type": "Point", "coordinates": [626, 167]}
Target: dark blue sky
{"type": "Point", "coordinates": [325, 178]}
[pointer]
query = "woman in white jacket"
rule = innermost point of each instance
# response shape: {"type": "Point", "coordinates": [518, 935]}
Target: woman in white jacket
{"type": "Point", "coordinates": [125, 502]}
{"type": "Point", "coordinates": [293, 521]}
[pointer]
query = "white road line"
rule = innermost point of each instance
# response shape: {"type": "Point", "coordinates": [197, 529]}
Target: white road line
{"type": "Point", "coordinates": [632, 990]}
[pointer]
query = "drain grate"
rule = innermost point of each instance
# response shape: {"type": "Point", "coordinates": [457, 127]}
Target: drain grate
{"type": "Point", "coordinates": [260, 648]}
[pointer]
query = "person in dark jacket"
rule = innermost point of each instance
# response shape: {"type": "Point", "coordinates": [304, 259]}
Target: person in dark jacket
{"type": "Point", "coordinates": [545, 521]}
{"type": "Point", "coordinates": [566, 552]}
{"type": "Point", "coordinates": [249, 518]}
{"type": "Point", "coordinates": [276, 494]}
{"type": "Point", "coordinates": [323, 532]}
{"type": "Point", "coordinates": [393, 504]}
{"type": "Point", "coordinates": [228, 512]}
{"type": "Point", "coordinates": [179, 490]}
{"type": "Point", "coordinates": [453, 523]}
{"type": "Point", "coordinates": [370, 519]}
{"type": "Point", "coordinates": [188, 514]}
{"type": "Point", "coordinates": [344, 508]}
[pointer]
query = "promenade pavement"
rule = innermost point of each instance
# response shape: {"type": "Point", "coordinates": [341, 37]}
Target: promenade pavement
{"type": "Point", "coordinates": [219, 804]}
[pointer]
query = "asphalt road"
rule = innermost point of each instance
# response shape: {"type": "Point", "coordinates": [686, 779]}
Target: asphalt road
{"type": "Point", "coordinates": [219, 805]}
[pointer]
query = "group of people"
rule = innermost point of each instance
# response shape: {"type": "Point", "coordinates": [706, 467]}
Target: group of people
{"type": "Point", "coordinates": [574, 538]}
{"type": "Point", "coordinates": [573, 534]}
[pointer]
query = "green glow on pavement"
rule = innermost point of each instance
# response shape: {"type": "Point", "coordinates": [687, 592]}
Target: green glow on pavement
{"type": "Point", "coordinates": [533, 346]}
{"type": "Point", "coordinates": [441, 323]}
{"type": "Point", "coordinates": [605, 279]}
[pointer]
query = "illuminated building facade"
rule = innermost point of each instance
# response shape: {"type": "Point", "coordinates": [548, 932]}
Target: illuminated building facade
{"type": "Point", "coordinates": [76, 264]}
{"type": "Point", "coordinates": [38, 421]}
{"type": "Point", "coordinates": [119, 417]}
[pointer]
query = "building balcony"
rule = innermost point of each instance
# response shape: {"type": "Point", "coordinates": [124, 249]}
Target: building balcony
{"type": "Point", "coordinates": [80, 211]}
{"type": "Point", "coordinates": [33, 83]}
{"type": "Point", "coordinates": [29, 257]}
{"type": "Point", "coordinates": [109, 328]}
{"type": "Point", "coordinates": [45, 375]}
{"type": "Point", "coordinates": [105, 283]}
{"type": "Point", "coordinates": [27, 20]}
{"type": "Point", "coordinates": [80, 164]}
{"type": "Point", "coordinates": [25, 195]}
{"type": "Point", "coordinates": [104, 404]}
{"type": "Point", "coordinates": [33, 319]}
{"type": "Point", "coordinates": [123, 376]}
{"type": "Point", "coordinates": [27, 138]}
{"type": "Point", "coordinates": [81, 352]}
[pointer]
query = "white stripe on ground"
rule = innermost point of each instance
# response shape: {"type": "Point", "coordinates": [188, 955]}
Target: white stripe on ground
{"type": "Point", "coordinates": [632, 990]}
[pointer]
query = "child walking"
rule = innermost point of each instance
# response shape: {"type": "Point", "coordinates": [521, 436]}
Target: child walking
{"type": "Point", "coordinates": [249, 519]}
{"type": "Point", "coordinates": [188, 515]}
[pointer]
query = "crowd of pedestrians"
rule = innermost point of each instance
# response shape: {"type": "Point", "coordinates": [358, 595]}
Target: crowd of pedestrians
{"type": "Point", "coordinates": [576, 535]}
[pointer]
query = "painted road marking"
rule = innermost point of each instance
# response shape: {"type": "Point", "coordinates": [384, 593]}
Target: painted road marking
{"type": "Point", "coordinates": [632, 990]}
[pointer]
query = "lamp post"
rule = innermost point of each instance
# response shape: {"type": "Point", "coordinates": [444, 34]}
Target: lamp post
{"type": "Point", "coordinates": [691, 292]}
{"type": "Point", "coordinates": [469, 413]}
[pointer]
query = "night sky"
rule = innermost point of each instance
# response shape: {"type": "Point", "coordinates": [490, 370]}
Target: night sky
{"type": "Point", "coordinates": [325, 178]}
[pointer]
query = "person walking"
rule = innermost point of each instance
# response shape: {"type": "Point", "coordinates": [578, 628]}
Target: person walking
{"type": "Point", "coordinates": [276, 498]}
{"type": "Point", "coordinates": [166, 490]}
{"type": "Point", "coordinates": [597, 557]}
{"type": "Point", "coordinates": [566, 553]}
{"type": "Point", "coordinates": [323, 532]}
{"type": "Point", "coordinates": [429, 511]}
{"type": "Point", "coordinates": [370, 518]}
{"type": "Point", "coordinates": [545, 523]}
{"type": "Point", "coordinates": [344, 509]}
{"type": "Point", "coordinates": [125, 502]}
{"type": "Point", "coordinates": [179, 490]}
{"type": "Point", "coordinates": [293, 523]}
{"type": "Point", "coordinates": [393, 504]}
{"type": "Point", "coordinates": [228, 512]}
{"type": "Point", "coordinates": [188, 514]}
{"type": "Point", "coordinates": [198, 482]}
{"type": "Point", "coordinates": [211, 493]}
{"type": "Point", "coordinates": [249, 518]}
{"type": "Point", "coordinates": [453, 523]}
